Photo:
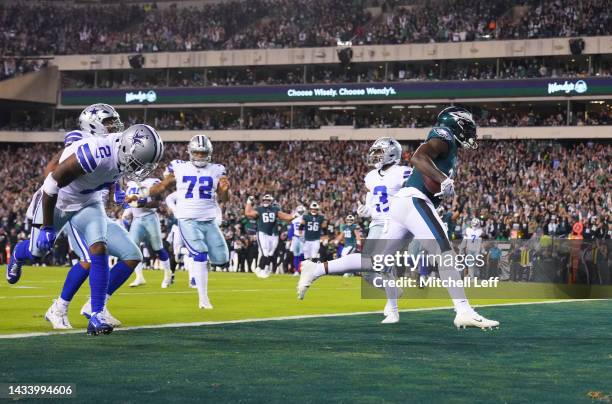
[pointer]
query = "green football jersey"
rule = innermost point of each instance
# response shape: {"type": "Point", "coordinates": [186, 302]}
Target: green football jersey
{"type": "Point", "coordinates": [349, 232]}
{"type": "Point", "coordinates": [446, 163]}
{"type": "Point", "coordinates": [313, 228]}
{"type": "Point", "coordinates": [266, 219]}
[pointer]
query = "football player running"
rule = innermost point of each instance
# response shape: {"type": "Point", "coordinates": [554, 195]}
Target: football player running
{"type": "Point", "coordinates": [267, 215]}
{"type": "Point", "coordinates": [382, 182]}
{"type": "Point", "coordinates": [146, 227]}
{"type": "Point", "coordinates": [413, 210]}
{"type": "Point", "coordinates": [70, 198]}
{"type": "Point", "coordinates": [201, 185]}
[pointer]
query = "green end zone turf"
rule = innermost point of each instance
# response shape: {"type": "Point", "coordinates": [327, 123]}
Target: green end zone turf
{"type": "Point", "coordinates": [542, 353]}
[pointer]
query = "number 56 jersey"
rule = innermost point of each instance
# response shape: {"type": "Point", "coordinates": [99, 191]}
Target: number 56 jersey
{"type": "Point", "coordinates": [196, 189]}
{"type": "Point", "coordinates": [382, 186]}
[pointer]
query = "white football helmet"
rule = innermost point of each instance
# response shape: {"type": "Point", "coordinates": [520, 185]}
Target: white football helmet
{"type": "Point", "coordinates": [267, 200]}
{"type": "Point", "coordinates": [314, 208]}
{"type": "Point", "coordinates": [300, 210]}
{"type": "Point", "coordinates": [100, 119]}
{"type": "Point", "coordinates": [140, 150]}
{"type": "Point", "coordinates": [200, 144]}
{"type": "Point", "coordinates": [385, 150]}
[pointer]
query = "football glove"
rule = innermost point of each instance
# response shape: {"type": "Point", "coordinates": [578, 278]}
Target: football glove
{"type": "Point", "coordinates": [46, 238]}
{"type": "Point", "coordinates": [447, 188]}
{"type": "Point", "coordinates": [250, 200]}
{"type": "Point", "coordinates": [118, 195]}
{"type": "Point", "coordinates": [363, 210]}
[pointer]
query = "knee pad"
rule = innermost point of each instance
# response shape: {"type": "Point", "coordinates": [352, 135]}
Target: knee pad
{"type": "Point", "coordinates": [200, 257]}
{"type": "Point", "coordinates": [163, 254]}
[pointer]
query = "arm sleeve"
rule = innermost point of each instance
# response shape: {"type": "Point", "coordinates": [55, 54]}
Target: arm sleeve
{"type": "Point", "coordinates": [171, 201]}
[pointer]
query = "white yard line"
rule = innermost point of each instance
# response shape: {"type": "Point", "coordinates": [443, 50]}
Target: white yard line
{"type": "Point", "coordinates": [257, 320]}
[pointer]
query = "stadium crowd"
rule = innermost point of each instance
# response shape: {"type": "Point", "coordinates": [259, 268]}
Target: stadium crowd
{"type": "Point", "coordinates": [65, 28]}
{"type": "Point", "coordinates": [532, 185]}
{"type": "Point", "coordinates": [314, 118]}
{"type": "Point", "coordinates": [329, 74]}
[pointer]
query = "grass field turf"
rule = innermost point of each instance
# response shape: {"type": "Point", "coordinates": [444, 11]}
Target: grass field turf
{"type": "Point", "coordinates": [542, 353]}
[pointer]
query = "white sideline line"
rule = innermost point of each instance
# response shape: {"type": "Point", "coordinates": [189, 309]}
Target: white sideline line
{"type": "Point", "coordinates": [181, 292]}
{"type": "Point", "coordinates": [283, 318]}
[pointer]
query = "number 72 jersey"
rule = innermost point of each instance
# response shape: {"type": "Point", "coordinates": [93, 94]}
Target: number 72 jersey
{"type": "Point", "coordinates": [382, 186]}
{"type": "Point", "coordinates": [196, 189]}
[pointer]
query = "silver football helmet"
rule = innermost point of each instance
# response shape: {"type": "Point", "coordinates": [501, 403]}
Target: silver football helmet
{"type": "Point", "coordinates": [385, 150]}
{"type": "Point", "coordinates": [314, 208]}
{"type": "Point", "coordinates": [140, 150]}
{"type": "Point", "coordinates": [267, 200]}
{"type": "Point", "coordinates": [100, 119]}
{"type": "Point", "coordinates": [300, 210]}
{"type": "Point", "coordinates": [475, 222]}
{"type": "Point", "coordinates": [201, 145]}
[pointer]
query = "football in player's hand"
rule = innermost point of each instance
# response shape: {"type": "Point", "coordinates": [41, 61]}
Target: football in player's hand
{"type": "Point", "coordinates": [431, 185]}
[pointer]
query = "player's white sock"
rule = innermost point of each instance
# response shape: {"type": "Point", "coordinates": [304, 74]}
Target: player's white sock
{"type": "Point", "coordinates": [457, 294]}
{"type": "Point", "coordinates": [165, 265]}
{"type": "Point", "coordinates": [348, 263]}
{"type": "Point", "coordinates": [138, 271]}
{"type": "Point", "coordinates": [200, 273]}
{"type": "Point", "coordinates": [61, 303]}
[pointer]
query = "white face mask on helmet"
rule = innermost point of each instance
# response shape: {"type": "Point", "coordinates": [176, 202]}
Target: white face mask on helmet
{"type": "Point", "coordinates": [384, 151]}
{"type": "Point", "coordinates": [100, 119]}
{"type": "Point", "coordinates": [314, 208]}
{"type": "Point", "coordinates": [140, 150]}
{"type": "Point", "coordinates": [200, 150]}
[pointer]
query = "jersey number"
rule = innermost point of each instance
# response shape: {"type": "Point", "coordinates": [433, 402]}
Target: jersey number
{"type": "Point", "coordinates": [381, 191]}
{"type": "Point", "coordinates": [313, 226]}
{"type": "Point", "coordinates": [348, 234]}
{"type": "Point", "coordinates": [268, 217]}
{"type": "Point", "coordinates": [206, 186]}
{"type": "Point", "coordinates": [103, 152]}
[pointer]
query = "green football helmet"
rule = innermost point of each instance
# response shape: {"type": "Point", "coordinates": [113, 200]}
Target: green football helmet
{"type": "Point", "coordinates": [461, 124]}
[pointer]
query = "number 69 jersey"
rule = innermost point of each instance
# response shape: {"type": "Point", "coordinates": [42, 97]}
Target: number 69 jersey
{"type": "Point", "coordinates": [382, 186]}
{"type": "Point", "coordinates": [196, 189]}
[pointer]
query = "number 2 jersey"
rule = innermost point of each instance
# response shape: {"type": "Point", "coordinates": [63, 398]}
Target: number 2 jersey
{"type": "Point", "coordinates": [197, 189]}
{"type": "Point", "coordinates": [97, 156]}
{"type": "Point", "coordinates": [133, 188]}
{"type": "Point", "coordinates": [382, 186]}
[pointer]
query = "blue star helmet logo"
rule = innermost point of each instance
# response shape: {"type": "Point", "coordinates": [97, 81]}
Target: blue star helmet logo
{"type": "Point", "coordinates": [139, 136]}
{"type": "Point", "coordinates": [93, 111]}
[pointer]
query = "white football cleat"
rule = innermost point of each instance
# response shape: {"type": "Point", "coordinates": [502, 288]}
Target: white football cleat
{"type": "Point", "coordinates": [307, 277]}
{"type": "Point", "coordinates": [168, 279]}
{"type": "Point", "coordinates": [262, 273]}
{"type": "Point", "coordinates": [205, 304]}
{"type": "Point", "coordinates": [138, 282]}
{"type": "Point", "coordinates": [392, 318]}
{"type": "Point", "coordinates": [58, 317]}
{"type": "Point", "coordinates": [106, 315]}
{"type": "Point", "coordinates": [469, 318]}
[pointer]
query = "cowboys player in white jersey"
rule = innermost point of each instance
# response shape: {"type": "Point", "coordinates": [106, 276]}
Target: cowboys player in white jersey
{"type": "Point", "coordinates": [71, 198]}
{"type": "Point", "coordinates": [201, 185]}
{"type": "Point", "coordinates": [146, 227]}
{"type": "Point", "coordinates": [95, 120]}
{"type": "Point", "coordinates": [472, 246]}
{"type": "Point", "coordinates": [382, 183]}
